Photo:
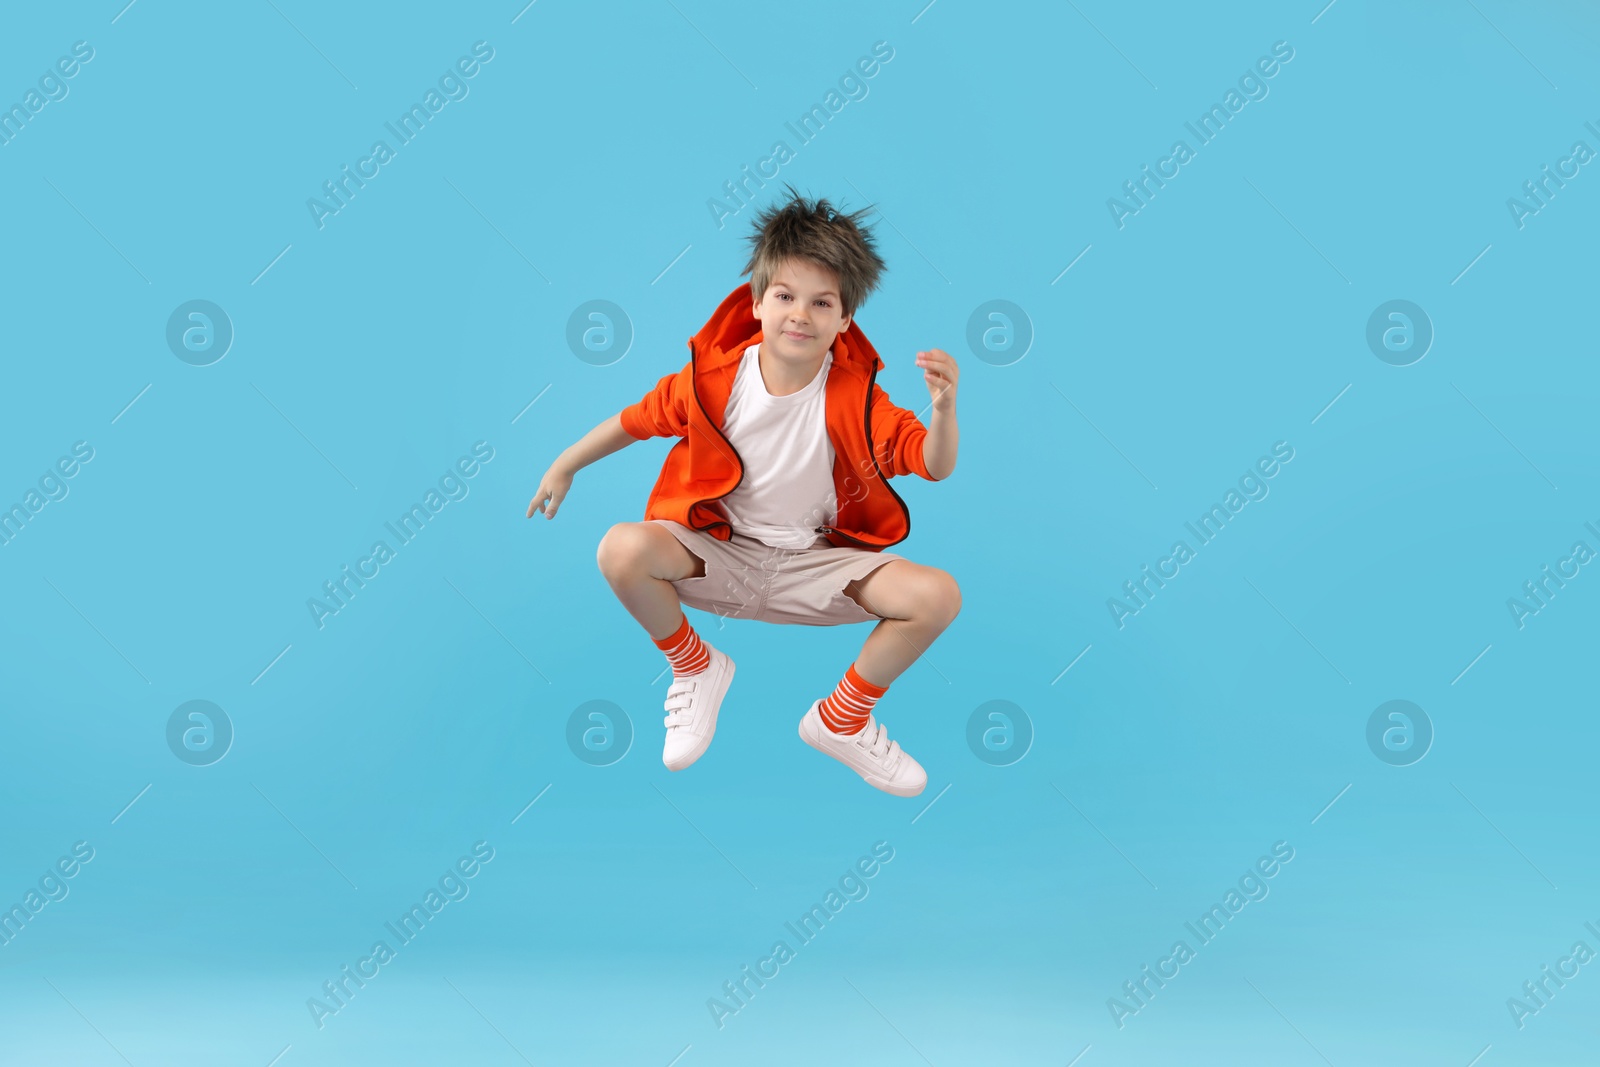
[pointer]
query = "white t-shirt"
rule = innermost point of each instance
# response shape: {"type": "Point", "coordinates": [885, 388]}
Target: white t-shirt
{"type": "Point", "coordinates": [788, 490]}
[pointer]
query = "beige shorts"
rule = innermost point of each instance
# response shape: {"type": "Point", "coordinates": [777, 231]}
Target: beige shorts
{"type": "Point", "coordinates": [749, 579]}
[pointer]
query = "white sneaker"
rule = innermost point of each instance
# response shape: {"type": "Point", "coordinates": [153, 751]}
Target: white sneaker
{"type": "Point", "coordinates": [691, 707]}
{"type": "Point", "coordinates": [870, 753]}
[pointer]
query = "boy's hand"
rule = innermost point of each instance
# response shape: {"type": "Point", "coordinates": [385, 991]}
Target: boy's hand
{"type": "Point", "coordinates": [552, 488]}
{"type": "Point", "coordinates": [940, 372]}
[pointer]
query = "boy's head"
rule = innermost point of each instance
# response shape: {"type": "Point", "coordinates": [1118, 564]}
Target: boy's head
{"type": "Point", "coordinates": [810, 268]}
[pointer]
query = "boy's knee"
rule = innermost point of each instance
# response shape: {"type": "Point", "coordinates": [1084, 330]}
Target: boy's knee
{"type": "Point", "coordinates": [938, 595]}
{"type": "Point", "coordinates": [622, 547]}
{"type": "Point", "coordinates": [945, 595]}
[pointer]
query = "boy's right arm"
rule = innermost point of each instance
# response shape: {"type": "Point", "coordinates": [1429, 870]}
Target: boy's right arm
{"type": "Point", "coordinates": [598, 443]}
{"type": "Point", "coordinates": [662, 412]}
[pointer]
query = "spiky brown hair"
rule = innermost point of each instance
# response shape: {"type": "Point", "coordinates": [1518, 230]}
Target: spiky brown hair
{"type": "Point", "coordinates": [814, 231]}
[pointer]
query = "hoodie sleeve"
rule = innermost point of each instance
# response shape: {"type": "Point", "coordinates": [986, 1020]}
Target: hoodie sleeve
{"type": "Point", "coordinates": [664, 410]}
{"type": "Point", "coordinates": [897, 437]}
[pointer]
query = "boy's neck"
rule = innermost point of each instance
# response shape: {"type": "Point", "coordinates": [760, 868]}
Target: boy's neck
{"type": "Point", "coordinates": [784, 377]}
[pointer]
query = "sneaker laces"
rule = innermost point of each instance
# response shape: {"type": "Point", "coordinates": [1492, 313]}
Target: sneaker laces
{"type": "Point", "coordinates": [678, 703]}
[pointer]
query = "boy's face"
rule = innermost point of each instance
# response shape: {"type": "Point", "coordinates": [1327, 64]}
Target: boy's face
{"type": "Point", "coordinates": [800, 312]}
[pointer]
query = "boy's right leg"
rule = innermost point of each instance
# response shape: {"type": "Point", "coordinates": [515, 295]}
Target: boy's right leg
{"type": "Point", "coordinates": [641, 560]}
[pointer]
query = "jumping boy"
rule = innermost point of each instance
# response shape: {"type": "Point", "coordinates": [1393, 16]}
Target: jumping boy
{"type": "Point", "coordinates": [775, 504]}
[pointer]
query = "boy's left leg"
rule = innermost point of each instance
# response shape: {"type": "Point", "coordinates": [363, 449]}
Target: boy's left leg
{"type": "Point", "coordinates": [914, 604]}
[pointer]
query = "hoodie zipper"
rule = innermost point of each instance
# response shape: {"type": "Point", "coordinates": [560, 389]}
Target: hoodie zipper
{"type": "Point", "coordinates": [866, 421]}
{"type": "Point", "coordinates": [694, 384]}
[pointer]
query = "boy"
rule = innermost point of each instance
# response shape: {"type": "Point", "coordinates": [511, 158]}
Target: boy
{"type": "Point", "coordinates": [775, 505]}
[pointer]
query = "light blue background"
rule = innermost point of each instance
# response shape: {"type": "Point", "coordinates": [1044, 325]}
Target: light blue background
{"type": "Point", "coordinates": [427, 315]}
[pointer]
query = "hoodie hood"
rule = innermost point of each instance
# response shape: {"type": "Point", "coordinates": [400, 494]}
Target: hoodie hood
{"type": "Point", "coordinates": [733, 327]}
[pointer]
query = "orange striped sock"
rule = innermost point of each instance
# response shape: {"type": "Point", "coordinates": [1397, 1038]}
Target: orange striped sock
{"type": "Point", "coordinates": [685, 651]}
{"type": "Point", "coordinates": [846, 709]}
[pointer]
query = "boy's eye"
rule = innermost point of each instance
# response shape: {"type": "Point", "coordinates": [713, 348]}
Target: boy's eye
{"type": "Point", "coordinates": [824, 303]}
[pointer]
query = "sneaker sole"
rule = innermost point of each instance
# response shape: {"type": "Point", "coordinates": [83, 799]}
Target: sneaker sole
{"type": "Point", "coordinates": [873, 780]}
{"type": "Point", "coordinates": [721, 690]}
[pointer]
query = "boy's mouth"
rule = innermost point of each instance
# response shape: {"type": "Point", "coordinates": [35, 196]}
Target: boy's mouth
{"type": "Point", "coordinates": [791, 335]}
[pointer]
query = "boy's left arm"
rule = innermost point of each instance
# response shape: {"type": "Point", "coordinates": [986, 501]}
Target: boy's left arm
{"type": "Point", "coordinates": [939, 448]}
{"type": "Point", "coordinates": [904, 444]}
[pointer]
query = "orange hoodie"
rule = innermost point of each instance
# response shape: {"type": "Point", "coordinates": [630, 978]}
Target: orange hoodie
{"type": "Point", "coordinates": [873, 440]}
